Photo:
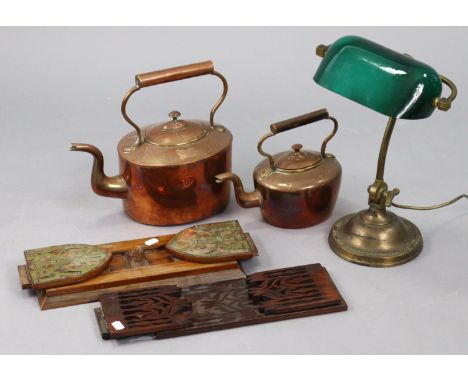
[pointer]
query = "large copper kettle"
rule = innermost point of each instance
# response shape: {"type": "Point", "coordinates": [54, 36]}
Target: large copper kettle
{"type": "Point", "coordinates": [167, 170]}
{"type": "Point", "coordinates": [296, 188]}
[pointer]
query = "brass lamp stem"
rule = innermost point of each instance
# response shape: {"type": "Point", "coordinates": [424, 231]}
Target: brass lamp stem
{"type": "Point", "coordinates": [379, 195]}
{"type": "Point", "coordinates": [384, 148]}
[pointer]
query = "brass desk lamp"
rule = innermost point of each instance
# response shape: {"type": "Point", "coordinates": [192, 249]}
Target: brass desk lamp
{"type": "Point", "coordinates": [398, 86]}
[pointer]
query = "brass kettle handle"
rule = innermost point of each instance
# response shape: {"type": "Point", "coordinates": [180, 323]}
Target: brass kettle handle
{"type": "Point", "coordinates": [169, 75]}
{"type": "Point", "coordinates": [295, 122]}
{"type": "Point", "coordinates": [444, 103]}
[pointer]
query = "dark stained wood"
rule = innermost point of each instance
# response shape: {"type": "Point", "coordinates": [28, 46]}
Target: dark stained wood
{"type": "Point", "coordinates": [262, 297]}
{"type": "Point", "coordinates": [292, 289]}
{"type": "Point", "coordinates": [150, 310]}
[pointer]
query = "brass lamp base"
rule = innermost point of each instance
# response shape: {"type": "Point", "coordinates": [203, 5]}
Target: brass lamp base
{"type": "Point", "coordinates": [376, 238]}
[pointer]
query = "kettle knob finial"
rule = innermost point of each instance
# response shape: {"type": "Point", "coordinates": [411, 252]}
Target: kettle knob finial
{"type": "Point", "coordinates": [296, 147]}
{"type": "Point", "coordinates": [174, 115]}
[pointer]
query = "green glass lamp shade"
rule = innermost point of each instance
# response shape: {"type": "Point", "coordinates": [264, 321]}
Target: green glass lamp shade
{"type": "Point", "coordinates": [386, 81]}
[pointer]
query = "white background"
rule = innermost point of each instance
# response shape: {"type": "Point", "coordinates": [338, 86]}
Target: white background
{"type": "Point", "coordinates": [65, 84]}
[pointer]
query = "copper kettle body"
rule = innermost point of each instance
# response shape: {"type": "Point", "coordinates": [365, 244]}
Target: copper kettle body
{"type": "Point", "coordinates": [294, 189]}
{"type": "Point", "coordinates": [167, 170]}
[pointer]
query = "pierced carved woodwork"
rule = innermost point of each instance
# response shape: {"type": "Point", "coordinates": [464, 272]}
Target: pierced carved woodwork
{"type": "Point", "coordinates": [292, 289]}
{"type": "Point", "coordinates": [151, 310]}
{"type": "Point", "coordinates": [262, 297]}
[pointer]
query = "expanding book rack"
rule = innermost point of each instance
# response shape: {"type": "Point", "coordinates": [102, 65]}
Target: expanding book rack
{"type": "Point", "coordinates": [170, 311]}
{"type": "Point", "coordinates": [78, 273]}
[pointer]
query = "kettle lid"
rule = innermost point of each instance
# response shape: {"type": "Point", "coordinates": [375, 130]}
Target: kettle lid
{"type": "Point", "coordinates": [297, 159]}
{"type": "Point", "coordinates": [176, 132]}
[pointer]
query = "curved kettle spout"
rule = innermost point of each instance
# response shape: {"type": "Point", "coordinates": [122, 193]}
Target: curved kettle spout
{"type": "Point", "coordinates": [244, 199]}
{"type": "Point", "coordinates": [111, 186]}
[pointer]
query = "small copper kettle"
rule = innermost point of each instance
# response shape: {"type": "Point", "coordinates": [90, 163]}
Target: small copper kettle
{"type": "Point", "coordinates": [167, 170]}
{"type": "Point", "coordinates": [294, 189]}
